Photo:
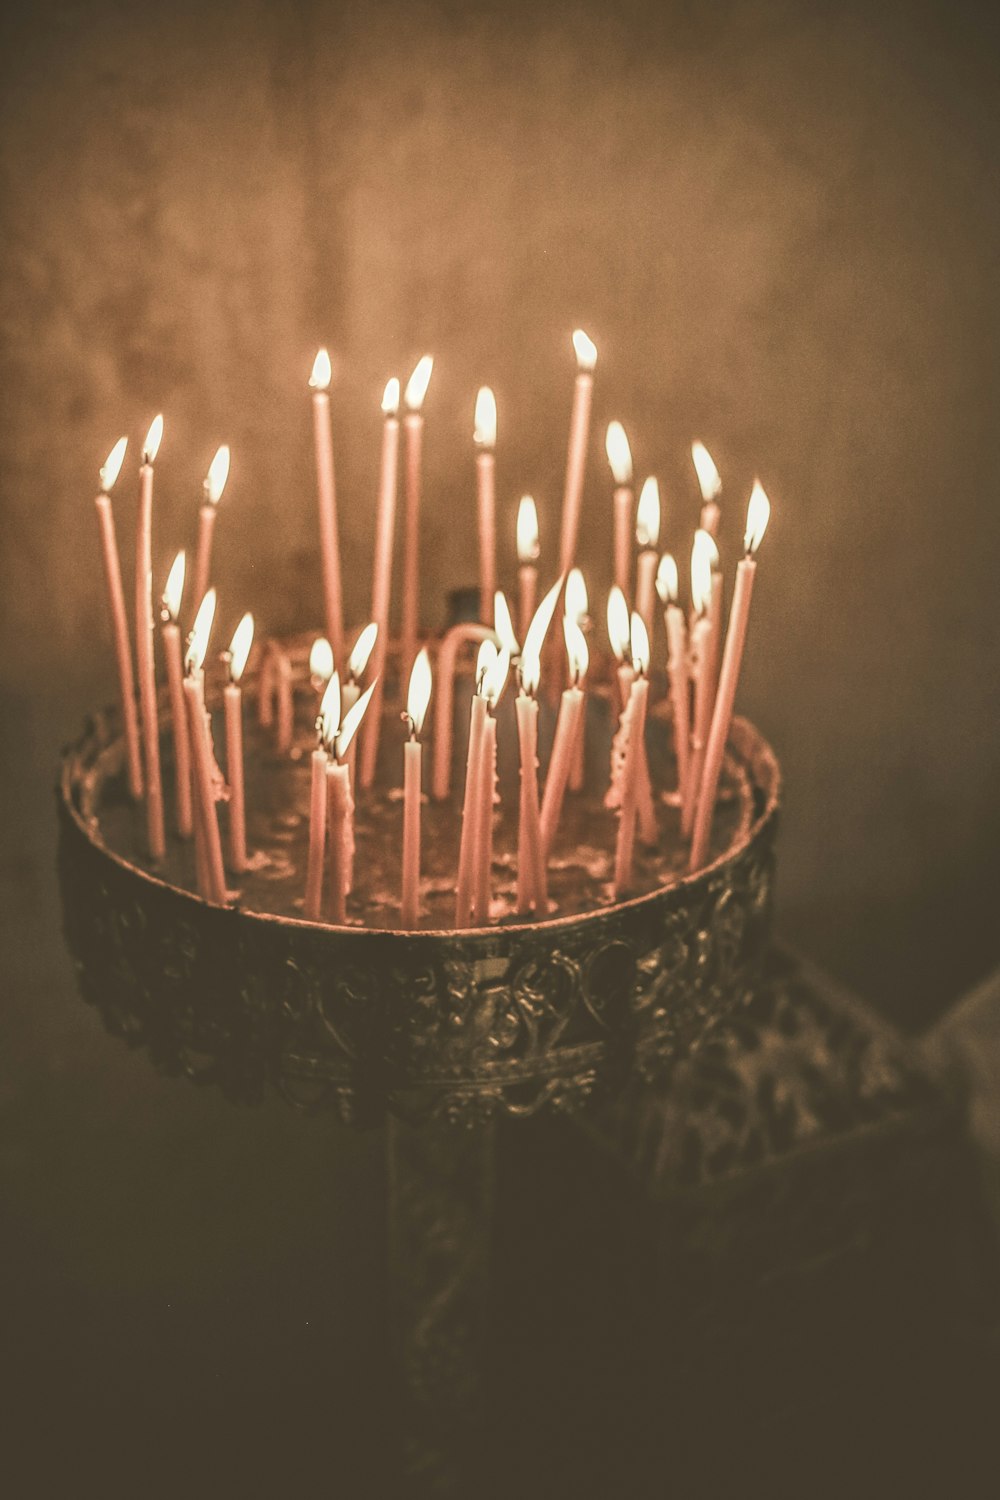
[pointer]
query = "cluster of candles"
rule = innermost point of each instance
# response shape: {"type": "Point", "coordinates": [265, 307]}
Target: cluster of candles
{"type": "Point", "coordinates": [702, 668]}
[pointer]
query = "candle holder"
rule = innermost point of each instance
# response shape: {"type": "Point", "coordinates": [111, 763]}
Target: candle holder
{"type": "Point", "coordinates": [449, 1025]}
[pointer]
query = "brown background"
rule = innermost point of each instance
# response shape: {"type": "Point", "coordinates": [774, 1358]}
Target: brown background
{"type": "Point", "coordinates": [778, 222]}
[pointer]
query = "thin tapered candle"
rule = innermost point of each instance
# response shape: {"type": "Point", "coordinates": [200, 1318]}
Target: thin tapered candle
{"type": "Point", "coordinates": [413, 427]}
{"type": "Point", "coordinates": [239, 651]}
{"type": "Point", "coordinates": [144, 645]}
{"type": "Point", "coordinates": [357, 665]}
{"type": "Point", "coordinates": [620, 634]}
{"type": "Point", "coordinates": [313, 904]}
{"type": "Point", "coordinates": [635, 717]}
{"type": "Point", "coordinates": [710, 485]}
{"type": "Point", "coordinates": [326, 498]}
{"type": "Point", "coordinates": [758, 513]}
{"type": "Point", "coordinates": [215, 483]}
{"type": "Point", "coordinates": [701, 647]}
{"type": "Point", "coordinates": [385, 524]}
{"type": "Point", "coordinates": [465, 883]}
{"type": "Point", "coordinates": [576, 453]}
{"type": "Point", "coordinates": [677, 667]}
{"type": "Point", "coordinates": [171, 636]}
{"type": "Point", "coordinates": [202, 759]}
{"type": "Point", "coordinates": [285, 718]}
{"type": "Point", "coordinates": [647, 535]}
{"type": "Point", "coordinates": [417, 700]}
{"type": "Point", "coordinates": [494, 680]}
{"type": "Point", "coordinates": [571, 709]}
{"type": "Point", "coordinates": [527, 563]}
{"type": "Point", "coordinates": [340, 804]}
{"type": "Point", "coordinates": [484, 434]}
{"type": "Point", "coordinates": [119, 617]}
{"type": "Point", "coordinates": [532, 880]}
{"type": "Point", "coordinates": [577, 608]}
{"type": "Point", "coordinates": [619, 453]}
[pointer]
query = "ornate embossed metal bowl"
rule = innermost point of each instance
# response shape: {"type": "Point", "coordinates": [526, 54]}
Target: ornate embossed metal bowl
{"type": "Point", "coordinates": [428, 1024]}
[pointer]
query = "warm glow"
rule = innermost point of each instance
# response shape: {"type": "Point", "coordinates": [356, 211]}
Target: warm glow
{"type": "Point", "coordinates": [576, 650]}
{"type": "Point", "coordinates": [419, 694]}
{"type": "Point", "coordinates": [329, 710]}
{"type": "Point", "coordinates": [639, 641]}
{"type": "Point", "coordinates": [239, 647]}
{"type": "Point", "coordinates": [667, 581]}
{"type": "Point", "coordinates": [758, 515]}
{"type": "Point", "coordinates": [218, 473]}
{"type": "Point", "coordinates": [361, 654]}
{"type": "Point", "coordinates": [484, 431]}
{"type": "Point", "coordinates": [708, 475]}
{"type": "Point", "coordinates": [529, 667]}
{"type": "Point", "coordinates": [527, 531]}
{"type": "Point", "coordinates": [647, 514]}
{"type": "Point", "coordinates": [619, 453]}
{"type": "Point", "coordinates": [503, 625]}
{"type": "Point", "coordinates": [174, 589]}
{"type": "Point", "coordinates": [151, 446]}
{"type": "Point", "coordinates": [618, 628]}
{"type": "Point", "coordinates": [390, 397]}
{"type": "Point", "coordinates": [495, 677]}
{"type": "Point", "coordinates": [321, 660]}
{"type": "Point", "coordinates": [484, 661]}
{"type": "Point", "coordinates": [200, 632]}
{"type": "Point", "coordinates": [352, 719]}
{"type": "Point", "coordinates": [112, 465]}
{"type": "Point", "coordinates": [416, 386]}
{"type": "Point", "coordinates": [586, 350]}
{"type": "Point", "coordinates": [322, 372]}
{"type": "Point", "coordinates": [577, 604]}
{"type": "Point", "coordinates": [701, 570]}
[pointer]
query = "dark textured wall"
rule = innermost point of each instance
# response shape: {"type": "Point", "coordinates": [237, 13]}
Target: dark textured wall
{"type": "Point", "coordinates": [780, 224]}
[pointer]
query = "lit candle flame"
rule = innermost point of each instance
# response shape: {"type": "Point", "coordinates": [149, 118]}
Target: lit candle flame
{"type": "Point", "coordinates": [239, 647]}
{"type": "Point", "coordinates": [758, 515]}
{"type": "Point", "coordinates": [484, 430]}
{"type": "Point", "coordinates": [639, 644]}
{"type": "Point", "coordinates": [647, 514]}
{"type": "Point", "coordinates": [352, 720]}
{"type": "Point", "coordinates": [218, 473]}
{"type": "Point", "coordinates": [154, 436]}
{"type": "Point", "coordinates": [416, 386]}
{"type": "Point", "coordinates": [503, 625]}
{"type": "Point", "coordinates": [667, 580]}
{"type": "Point", "coordinates": [361, 654]}
{"type": "Point", "coordinates": [530, 665]}
{"type": "Point", "coordinates": [322, 372]}
{"type": "Point", "coordinates": [619, 453]}
{"type": "Point", "coordinates": [708, 475]}
{"type": "Point", "coordinates": [173, 590]}
{"type": "Point", "coordinates": [495, 677]}
{"type": "Point", "coordinates": [419, 693]}
{"type": "Point", "coordinates": [527, 531]}
{"type": "Point", "coordinates": [329, 711]}
{"type": "Point", "coordinates": [112, 465]}
{"type": "Point", "coordinates": [484, 661]}
{"type": "Point", "coordinates": [576, 650]}
{"type": "Point", "coordinates": [618, 626]}
{"type": "Point", "coordinates": [200, 632]}
{"type": "Point", "coordinates": [321, 660]}
{"type": "Point", "coordinates": [701, 570]}
{"type": "Point", "coordinates": [577, 605]}
{"type": "Point", "coordinates": [390, 397]}
{"type": "Point", "coordinates": [586, 350]}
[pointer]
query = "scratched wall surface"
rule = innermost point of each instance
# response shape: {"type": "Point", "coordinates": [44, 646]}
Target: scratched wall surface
{"type": "Point", "coordinates": [777, 221]}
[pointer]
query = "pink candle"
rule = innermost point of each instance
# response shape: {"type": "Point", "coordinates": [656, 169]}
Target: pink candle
{"type": "Point", "coordinates": [313, 905]}
{"type": "Point", "coordinates": [144, 645]}
{"type": "Point", "coordinates": [619, 453]}
{"type": "Point", "coordinates": [532, 883]}
{"type": "Point", "coordinates": [625, 843]}
{"type": "Point", "coordinates": [286, 702]}
{"type": "Point", "coordinates": [647, 535]}
{"type": "Point", "coordinates": [571, 709]}
{"type": "Point", "coordinates": [215, 483]}
{"type": "Point", "coordinates": [417, 700]}
{"type": "Point", "coordinates": [326, 496]}
{"type": "Point", "coordinates": [447, 660]}
{"type": "Point", "coordinates": [171, 637]}
{"type": "Point", "coordinates": [710, 485]}
{"type": "Point", "coordinates": [119, 620]}
{"type": "Point", "coordinates": [239, 650]}
{"type": "Point", "coordinates": [202, 759]}
{"type": "Point", "coordinates": [382, 572]}
{"type": "Point", "coordinates": [413, 426]}
{"type": "Point", "coordinates": [465, 885]}
{"type": "Point", "coordinates": [485, 437]}
{"type": "Point", "coordinates": [700, 667]}
{"type": "Point", "coordinates": [638, 651]}
{"type": "Point", "coordinates": [577, 607]}
{"type": "Point", "coordinates": [758, 513]}
{"type": "Point", "coordinates": [484, 831]}
{"type": "Point", "coordinates": [677, 667]}
{"type": "Point", "coordinates": [527, 559]}
{"type": "Point", "coordinates": [576, 454]}
{"type": "Point", "coordinates": [340, 728]}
